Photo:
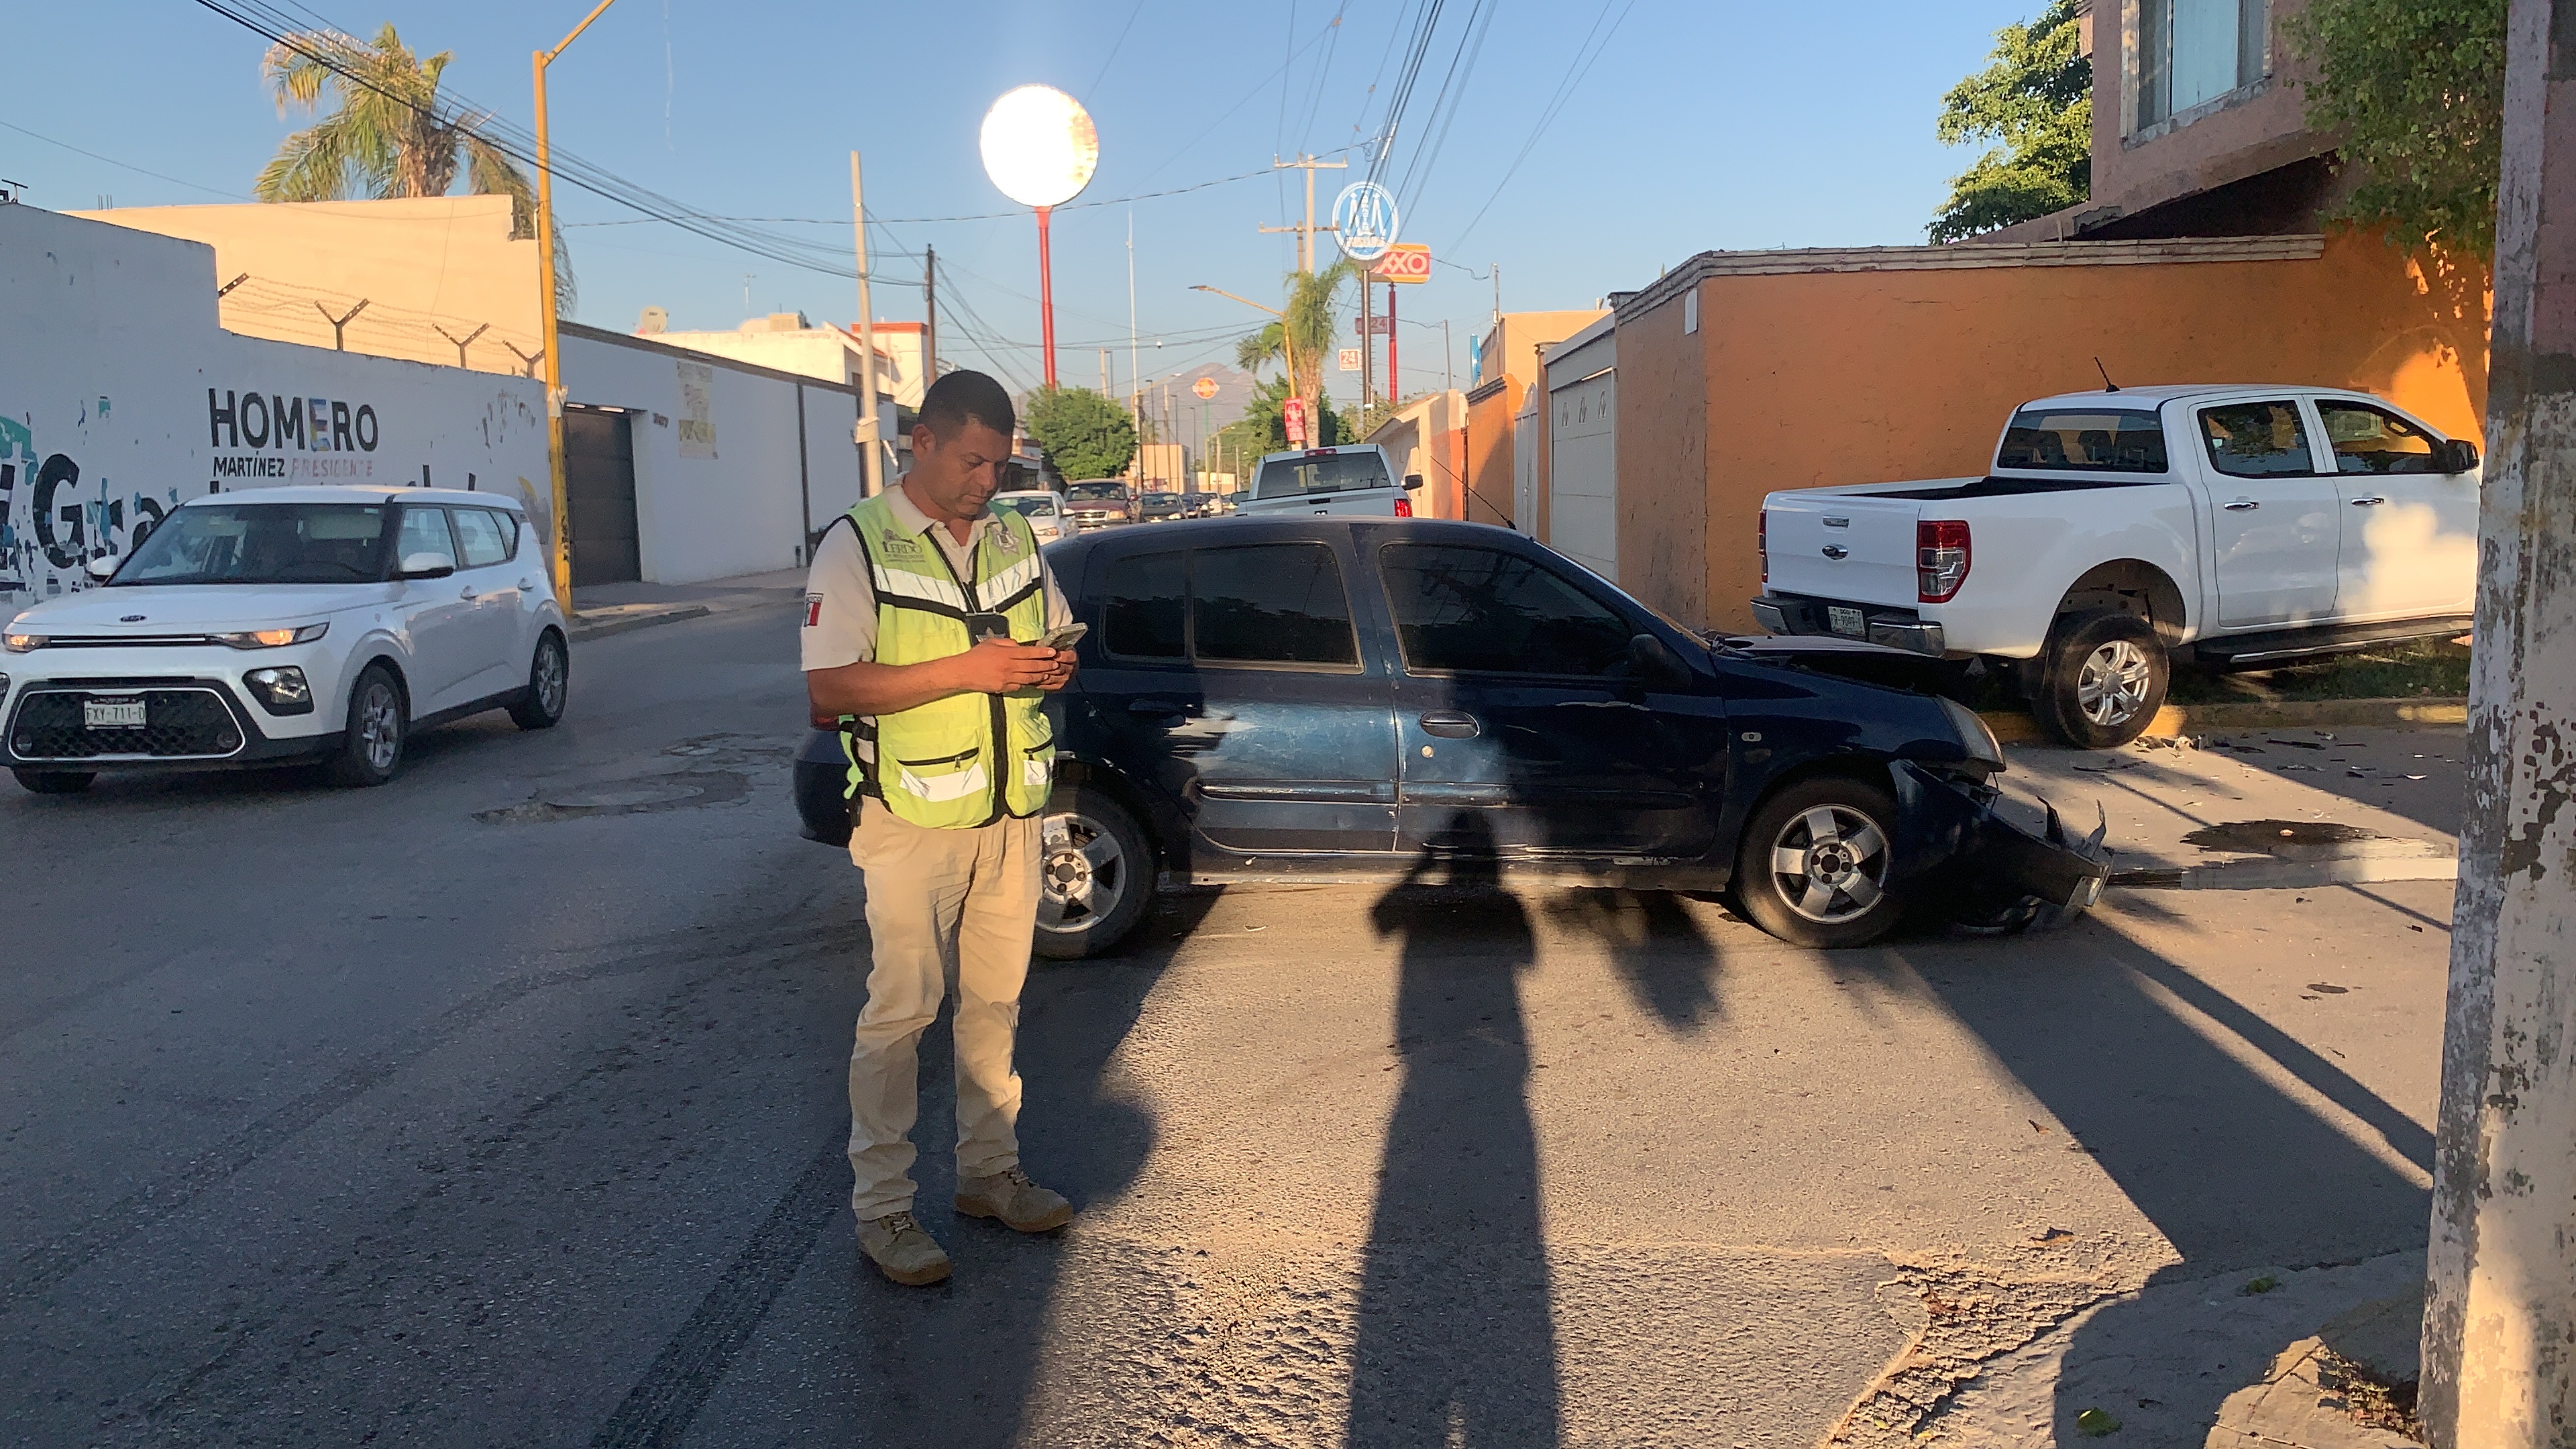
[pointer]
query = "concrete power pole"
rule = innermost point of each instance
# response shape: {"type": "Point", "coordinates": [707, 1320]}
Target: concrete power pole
{"type": "Point", "coordinates": [2500, 1312]}
{"type": "Point", "coordinates": [871, 458]}
{"type": "Point", "coordinates": [1306, 232]}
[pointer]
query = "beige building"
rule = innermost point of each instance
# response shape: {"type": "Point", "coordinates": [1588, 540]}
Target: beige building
{"type": "Point", "coordinates": [789, 342]}
{"type": "Point", "coordinates": [1428, 437]}
{"type": "Point", "coordinates": [432, 279]}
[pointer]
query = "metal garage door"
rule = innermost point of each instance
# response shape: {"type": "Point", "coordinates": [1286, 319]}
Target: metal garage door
{"type": "Point", "coordinates": [1583, 473]}
{"type": "Point", "coordinates": [599, 488]}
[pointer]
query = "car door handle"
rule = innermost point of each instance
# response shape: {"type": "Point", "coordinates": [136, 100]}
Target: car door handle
{"type": "Point", "coordinates": [2241, 505]}
{"type": "Point", "coordinates": [467, 592]}
{"type": "Point", "coordinates": [2371, 502]}
{"type": "Point", "coordinates": [527, 583]}
{"type": "Point", "coordinates": [1451, 725]}
{"type": "Point", "coordinates": [1166, 708]}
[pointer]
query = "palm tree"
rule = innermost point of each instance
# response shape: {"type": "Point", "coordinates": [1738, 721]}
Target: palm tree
{"type": "Point", "coordinates": [1303, 333]}
{"type": "Point", "coordinates": [387, 133]}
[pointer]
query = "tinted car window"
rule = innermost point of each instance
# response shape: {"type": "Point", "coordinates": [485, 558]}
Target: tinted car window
{"type": "Point", "coordinates": [1320, 473]}
{"type": "Point", "coordinates": [2367, 440]}
{"type": "Point", "coordinates": [2095, 440]}
{"type": "Point", "coordinates": [1273, 603]}
{"type": "Point", "coordinates": [478, 532]}
{"type": "Point", "coordinates": [1146, 595]}
{"type": "Point", "coordinates": [1465, 609]}
{"type": "Point", "coordinates": [2256, 440]}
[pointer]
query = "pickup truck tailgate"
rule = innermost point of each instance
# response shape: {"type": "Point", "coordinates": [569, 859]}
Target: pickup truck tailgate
{"type": "Point", "coordinates": [1848, 546]}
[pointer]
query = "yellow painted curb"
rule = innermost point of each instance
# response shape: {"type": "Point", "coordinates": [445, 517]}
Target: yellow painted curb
{"type": "Point", "coordinates": [2013, 727]}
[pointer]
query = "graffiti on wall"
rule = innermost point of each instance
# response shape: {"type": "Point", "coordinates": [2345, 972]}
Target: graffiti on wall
{"type": "Point", "coordinates": [56, 516]}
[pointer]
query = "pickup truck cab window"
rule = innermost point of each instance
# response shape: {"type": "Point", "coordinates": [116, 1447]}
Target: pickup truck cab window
{"type": "Point", "coordinates": [1479, 610]}
{"type": "Point", "coordinates": [2371, 440]}
{"type": "Point", "coordinates": [2093, 440]}
{"type": "Point", "coordinates": [2257, 440]}
{"type": "Point", "coordinates": [1331, 472]}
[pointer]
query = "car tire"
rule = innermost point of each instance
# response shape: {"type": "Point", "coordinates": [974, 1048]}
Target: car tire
{"type": "Point", "coordinates": [549, 685]}
{"type": "Point", "coordinates": [1815, 861]}
{"type": "Point", "coordinates": [1095, 875]}
{"type": "Point", "coordinates": [371, 745]}
{"type": "Point", "coordinates": [55, 782]}
{"type": "Point", "coordinates": [2104, 678]}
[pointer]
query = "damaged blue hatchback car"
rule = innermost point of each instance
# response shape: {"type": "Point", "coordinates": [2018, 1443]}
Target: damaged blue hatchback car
{"type": "Point", "coordinates": [1333, 699]}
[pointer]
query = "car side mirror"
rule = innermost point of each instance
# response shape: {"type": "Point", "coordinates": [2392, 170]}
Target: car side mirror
{"type": "Point", "coordinates": [426, 565]}
{"type": "Point", "coordinates": [99, 569]}
{"type": "Point", "coordinates": [1653, 664]}
{"type": "Point", "coordinates": [2455, 455]}
{"type": "Point", "coordinates": [1412, 481]}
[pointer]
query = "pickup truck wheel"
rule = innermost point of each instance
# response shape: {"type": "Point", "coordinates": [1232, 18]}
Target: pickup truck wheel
{"type": "Point", "coordinates": [1814, 864]}
{"type": "Point", "coordinates": [1095, 875]}
{"type": "Point", "coordinates": [2105, 679]}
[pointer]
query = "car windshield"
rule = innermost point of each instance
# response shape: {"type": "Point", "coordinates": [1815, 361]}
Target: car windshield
{"type": "Point", "coordinates": [262, 543]}
{"type": "Point", "coordinates": [2093, 440]}
{"type": "Point", "coordinates": [1320, 473]}
{"type": "Point", "coordinates": [1027, 505]}
{"type": "Point", "coordinates": [1098, 493]}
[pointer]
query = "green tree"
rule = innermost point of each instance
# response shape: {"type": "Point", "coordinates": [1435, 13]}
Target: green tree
{"type": "Point", "coordinates": [1302, 337]}
{"type": "Point", "coordinates": [1082, 434]}
{"type": "Point", "coordinates": [1263, 428]}
{"type": "Point", "coordinates": [2416, 89]}
{"type": "Point", "coordinates": [2035, 96]}
{"type": "Point", "coordinates": [387, 133]}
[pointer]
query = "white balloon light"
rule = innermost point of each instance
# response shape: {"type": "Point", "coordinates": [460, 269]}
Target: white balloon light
{"type": "Point", "coordinates": [1039, 145]}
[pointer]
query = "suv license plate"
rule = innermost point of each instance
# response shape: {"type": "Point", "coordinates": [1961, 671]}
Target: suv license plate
{"type": "Point", "coordinates": [112, 714]}
{"type": "Point", "coordinates": [1847, 622]}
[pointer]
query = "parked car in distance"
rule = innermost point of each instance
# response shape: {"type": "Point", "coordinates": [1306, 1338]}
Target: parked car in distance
{"type": "Point", "coordinates": [1099, 503]}
{"type": "Point", "coordinates": [1355, 480]}
{"type": "Point", "coordinates": [279, 624]}
{"type": "Point", "coordinates": [1350, 699]}
{"type": "Point", "coordinates": [1161, 507]}
{"type": "Point", "coordinates": [1044, 510]}
{"type": "Point", "coordinates": [2122, 530]}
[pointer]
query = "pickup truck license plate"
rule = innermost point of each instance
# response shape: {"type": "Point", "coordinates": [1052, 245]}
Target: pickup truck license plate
{"type": "Point", "coordinates": [1846, 621]}
{"type": "Point", "coordinates": [112, 714]}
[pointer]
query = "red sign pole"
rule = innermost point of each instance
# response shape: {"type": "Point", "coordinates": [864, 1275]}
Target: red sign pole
{"type": "Point", "coordinates": [1046, 298]}
{"type": "Point", "coordinates": [1394, 382]}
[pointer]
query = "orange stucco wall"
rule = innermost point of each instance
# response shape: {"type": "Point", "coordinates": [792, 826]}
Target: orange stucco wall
{"type": "Point", "coordinates": [1814, 379]}
{"type": "Point", "coordinates": [1489, 451]}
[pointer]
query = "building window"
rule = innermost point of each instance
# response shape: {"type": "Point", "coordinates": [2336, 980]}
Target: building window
{"type": "Point", "coordinates": [2191, 52]}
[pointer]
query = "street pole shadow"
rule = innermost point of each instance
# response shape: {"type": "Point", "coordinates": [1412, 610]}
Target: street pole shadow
{"type": "Point", "coordinates": [1456, 1337]}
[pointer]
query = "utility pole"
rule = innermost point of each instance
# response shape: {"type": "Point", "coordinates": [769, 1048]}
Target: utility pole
{"type": "Point", "coordinates": [1448, 363]}
{"type": "Point", "coordinates": [1368, 349]}
{"type": "Point", "coordinates": [1394, 379]}
{"type": "Point", "coordinates": [1104, 374]}
{"type": "Point", "coordinates": [1306, 232]}
{"type": "Point", "coordinates": [1135, 408]}
{"type": "Point", "coordinates": [550, 342]}
{"type": "Point", "coordinates": [929, 316]}
{"type": "Point", "coordinates": [2500, 1302]}
{"type": "Point", "coordinates": [1497, 269]}
{"type": "Point", "coordinates": [871, 456]}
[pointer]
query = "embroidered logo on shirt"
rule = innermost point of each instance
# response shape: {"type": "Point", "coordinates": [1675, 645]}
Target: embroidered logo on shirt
{"type": "Point", "coordinates": [813, 610]}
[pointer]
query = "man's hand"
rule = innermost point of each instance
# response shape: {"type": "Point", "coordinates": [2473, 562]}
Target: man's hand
{"type": "Point", "coordinates": [1062, 674]}
{"type": "Point", "coordinates": [998, 666]}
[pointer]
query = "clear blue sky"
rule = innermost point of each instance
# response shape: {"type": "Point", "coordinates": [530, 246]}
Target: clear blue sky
{"type": "Point", "coordinates": [1705, 123]}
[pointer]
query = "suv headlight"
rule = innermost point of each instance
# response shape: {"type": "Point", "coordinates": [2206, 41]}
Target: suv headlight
{"type": "Point", "coordinates": [1978, 740]}
{"type": "Point", "coordinates": [273, 638]}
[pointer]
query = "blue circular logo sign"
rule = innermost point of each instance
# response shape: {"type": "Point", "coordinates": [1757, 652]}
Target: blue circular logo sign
{"type": "Point", "coordinates": [1364, 220]}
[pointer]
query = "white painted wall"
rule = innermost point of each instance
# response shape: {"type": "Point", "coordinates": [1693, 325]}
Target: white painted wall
{"type": "Point", "coordinates": [743, 510]}
{"type": "Point", "coordinates": [109, 349]}
{"type": "Point", "coordinates": [1583, 449]}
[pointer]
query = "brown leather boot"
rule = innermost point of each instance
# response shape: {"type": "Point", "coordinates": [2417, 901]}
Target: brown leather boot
{"type": "Point", "coordinates": [902, 1250]}
{"type": "Point", "coordinates": [1011, 1197]}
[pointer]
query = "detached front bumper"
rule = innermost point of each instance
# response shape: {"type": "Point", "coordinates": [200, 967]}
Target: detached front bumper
{"type": "Point", "coordinates": [1993, 873]}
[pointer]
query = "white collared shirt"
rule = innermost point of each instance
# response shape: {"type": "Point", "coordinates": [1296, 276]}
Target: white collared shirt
{"type": "Point", "coordinates": [841, 602]}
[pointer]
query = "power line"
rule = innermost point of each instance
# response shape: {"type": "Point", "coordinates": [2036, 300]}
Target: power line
{"type": "Point", "coordinates": [124, 165]}
{"type": "Point", "coordinates": [1575, 71]}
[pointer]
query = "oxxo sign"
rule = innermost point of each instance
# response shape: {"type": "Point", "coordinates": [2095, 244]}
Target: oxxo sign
{"type": "Point", "coordinates": [1404, 262]}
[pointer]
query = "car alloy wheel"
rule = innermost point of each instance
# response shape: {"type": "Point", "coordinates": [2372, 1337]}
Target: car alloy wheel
{"type": "Point", "coordinates": [1831, 862]}
{"type": "Point", "coordinates": [380, 723]}
{"type": "Point", "coordinates": [1083, 875]}
{"type": "Point", "coordinates": [550, 679]}
{"type": "Point", "coordinates": [2113, 683]}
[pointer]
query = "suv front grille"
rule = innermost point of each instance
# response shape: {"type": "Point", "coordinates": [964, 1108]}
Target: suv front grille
{"type": "Point", "coordinates": [179, 724]}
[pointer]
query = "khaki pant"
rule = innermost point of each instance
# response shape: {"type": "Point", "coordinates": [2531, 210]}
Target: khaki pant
{"type": "Point", "coordinates": [942, 904]}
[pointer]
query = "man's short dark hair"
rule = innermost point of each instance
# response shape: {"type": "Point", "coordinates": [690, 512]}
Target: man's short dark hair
{"type": "Point", "coordinates": [959, 397]}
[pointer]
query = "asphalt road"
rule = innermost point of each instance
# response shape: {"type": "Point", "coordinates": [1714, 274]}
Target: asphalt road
{"type": "Point", "coordinates": [503, 1105]}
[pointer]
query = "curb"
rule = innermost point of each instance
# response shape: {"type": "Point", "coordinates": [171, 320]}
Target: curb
{"type": "Point", "coordinates": [2013, 727]}
{"type": "Point", "coordinates": [580, 632]}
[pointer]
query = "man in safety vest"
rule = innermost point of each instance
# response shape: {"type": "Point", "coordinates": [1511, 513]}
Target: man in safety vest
{"type": "Point", "coordinates": [921, 621]}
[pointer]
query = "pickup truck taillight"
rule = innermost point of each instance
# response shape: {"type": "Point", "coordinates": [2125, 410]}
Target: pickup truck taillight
{"type": "Point", "coordinates": [1762, 542]}
{"type": "Point", "coordinates": [1404, 508]}
{"type": "Point", "coordinates": [1940, 559]}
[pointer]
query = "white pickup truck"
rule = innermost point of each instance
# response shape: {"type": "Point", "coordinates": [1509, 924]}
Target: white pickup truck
{"type": "Point", "coordinates": [1353, 479]}
{"type": "Point", "coordinates": [2229, 527]}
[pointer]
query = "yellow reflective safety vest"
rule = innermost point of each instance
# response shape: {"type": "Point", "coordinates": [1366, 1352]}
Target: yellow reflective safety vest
{"type": "Point", "coordinates": [969, 759]}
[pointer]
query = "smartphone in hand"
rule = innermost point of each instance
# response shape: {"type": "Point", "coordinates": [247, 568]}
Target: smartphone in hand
{"type": "Point", "coordinates": [1066, 637]}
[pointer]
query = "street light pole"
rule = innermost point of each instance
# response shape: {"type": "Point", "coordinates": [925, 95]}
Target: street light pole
{"type": "Point", "coordinates": [551, 349]}
{"type": "Point", "coordinates": [872, 456]}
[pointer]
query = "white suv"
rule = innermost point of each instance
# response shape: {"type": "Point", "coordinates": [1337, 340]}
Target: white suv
{"type": "Point", "coordinates": [278, 624]}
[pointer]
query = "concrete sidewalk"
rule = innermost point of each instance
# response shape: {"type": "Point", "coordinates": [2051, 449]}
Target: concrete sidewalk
{"type": "Point", "coordinates": [606, 609]}
{"type": "Point", "coordinates": [2261, 809]}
